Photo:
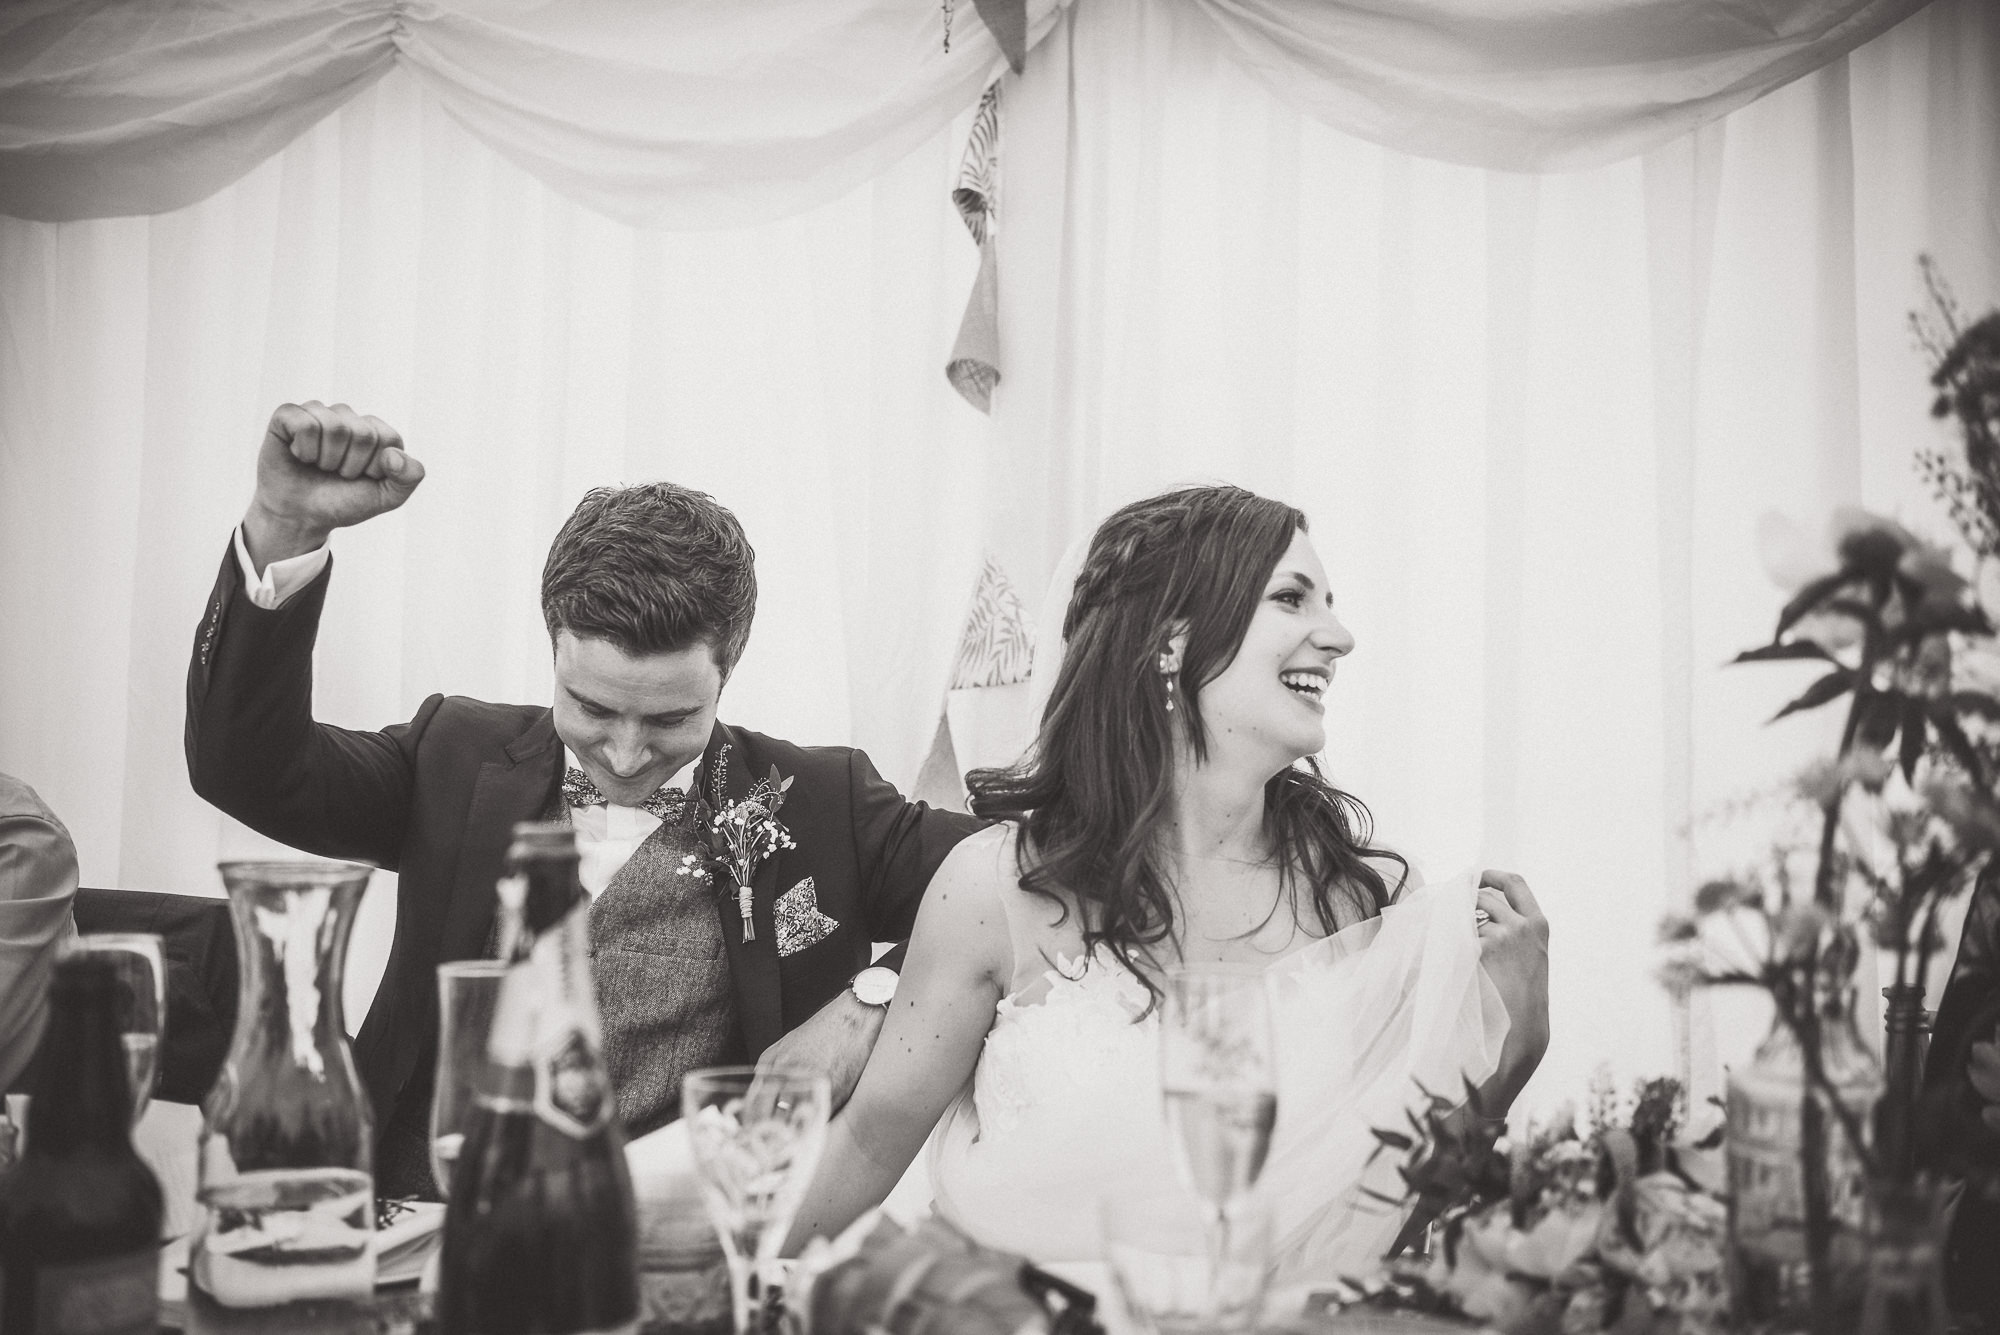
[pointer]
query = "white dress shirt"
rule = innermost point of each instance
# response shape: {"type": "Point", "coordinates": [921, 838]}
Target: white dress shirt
{"type": "Point", "coordinates": [281, 579]}
{"type": "Point", "coordinates": [606, 836]}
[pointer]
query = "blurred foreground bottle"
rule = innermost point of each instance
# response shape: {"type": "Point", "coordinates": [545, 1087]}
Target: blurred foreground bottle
{"type": "Point", "coordinates": [539, 1233]}
{"type": "Point", "coordinates": [80, 1211]}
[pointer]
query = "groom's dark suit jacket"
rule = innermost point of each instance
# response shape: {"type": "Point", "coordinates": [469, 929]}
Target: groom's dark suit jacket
{"type": "Point", "coordinates": [436, 799]}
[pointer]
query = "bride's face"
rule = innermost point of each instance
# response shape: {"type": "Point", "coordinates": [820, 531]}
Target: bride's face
{"type": "Point", "coordinates": [1269, 701]}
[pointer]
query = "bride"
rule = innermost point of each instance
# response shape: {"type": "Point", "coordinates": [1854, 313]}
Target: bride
{"type": "Point", "coordinates": [1170, 811]}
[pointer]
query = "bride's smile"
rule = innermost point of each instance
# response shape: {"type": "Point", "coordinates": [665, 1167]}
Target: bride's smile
{"type": "Point", "coordinates": [1272, 694]}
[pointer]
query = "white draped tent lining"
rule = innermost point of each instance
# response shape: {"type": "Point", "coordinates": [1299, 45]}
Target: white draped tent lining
{"type": "Point", "coordinates": [694, 114]}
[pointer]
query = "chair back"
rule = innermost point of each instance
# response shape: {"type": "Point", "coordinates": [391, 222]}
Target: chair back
{"type": "Point", "coordinates": [200, 950]}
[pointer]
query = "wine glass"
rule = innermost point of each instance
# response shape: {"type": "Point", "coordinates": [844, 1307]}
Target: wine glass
{"type": "Point", "coordinates": [140, 963]}
{"type": "Point", "coordinates": [467, 993]}
{"type": "Point", "coordinates": [756, 1138]}
{"type": "Point", "coordinates": [1218, 1076]}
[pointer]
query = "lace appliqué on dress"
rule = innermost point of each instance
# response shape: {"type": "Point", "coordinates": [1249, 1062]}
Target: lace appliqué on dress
{"type": "Point", "coordinates": [1080, 1035]}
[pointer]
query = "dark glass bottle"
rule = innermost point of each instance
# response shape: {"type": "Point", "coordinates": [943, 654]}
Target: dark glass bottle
{"type": "Point", "coordinates": [539, 1234]}
{"type": "Point", "coordinates": [80, 1210]}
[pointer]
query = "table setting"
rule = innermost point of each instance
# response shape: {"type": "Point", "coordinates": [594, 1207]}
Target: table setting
{"type": "Point", "coordinates": [714, 1191]}
{"type": "Point", "coordinates": [1616, 1219]}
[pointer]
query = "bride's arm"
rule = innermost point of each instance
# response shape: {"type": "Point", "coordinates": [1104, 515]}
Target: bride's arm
{"type": "Point", "coordinates": [1514, 950]}
{"type": "Point", "coordinates": [955, 973]}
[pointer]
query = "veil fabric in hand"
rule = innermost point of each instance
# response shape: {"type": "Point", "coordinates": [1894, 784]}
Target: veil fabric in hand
{"type": "Point", "coordinates": [1064, 1106]}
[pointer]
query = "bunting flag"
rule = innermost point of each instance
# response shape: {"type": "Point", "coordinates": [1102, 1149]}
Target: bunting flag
{"type": "Point", "coordinates": [974, 366]}
{"type": "Point", "coordinates": [998, 646]}
{"type": "Point", "coordinates": [976, 193]}
{"type": "Point", "coordinates": [1007, 20]}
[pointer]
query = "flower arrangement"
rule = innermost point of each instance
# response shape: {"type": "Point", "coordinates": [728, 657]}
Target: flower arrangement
{"type": "Point", "coordinates": [1621, 1227]}
{"type": "Point", "coordinates": [1610, 1225]}
{"type": "Point", "coordinates": [741, 834]}
{"type": "Point", "coordinates": [1901, 819]}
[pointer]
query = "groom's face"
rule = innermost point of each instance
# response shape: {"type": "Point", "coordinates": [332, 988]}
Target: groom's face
{"type": "Point", "coordinates": [633, 721]}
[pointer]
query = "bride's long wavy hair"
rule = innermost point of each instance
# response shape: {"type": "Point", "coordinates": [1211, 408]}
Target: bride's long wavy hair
{"type": "Point", "coordinates": [1093, 794]}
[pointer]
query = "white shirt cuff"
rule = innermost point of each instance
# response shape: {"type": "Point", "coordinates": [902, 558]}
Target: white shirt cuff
{"type": "Point", "coordinates": [281, 579]}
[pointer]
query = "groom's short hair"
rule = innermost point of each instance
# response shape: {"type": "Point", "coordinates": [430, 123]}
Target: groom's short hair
{"type": "Point", "coordinates": [653, 568]}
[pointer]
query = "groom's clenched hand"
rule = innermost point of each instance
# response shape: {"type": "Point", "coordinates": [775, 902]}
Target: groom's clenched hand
{"type": "Point", "coordinates": [321, 468]}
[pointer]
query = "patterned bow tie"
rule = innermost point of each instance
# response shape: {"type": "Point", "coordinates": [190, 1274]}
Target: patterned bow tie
{"type": "Point", "coordinates": [665, 803]}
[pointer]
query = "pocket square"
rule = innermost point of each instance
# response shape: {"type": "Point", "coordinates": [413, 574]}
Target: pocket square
{"type": "Point", "coordinates": [800, 923]}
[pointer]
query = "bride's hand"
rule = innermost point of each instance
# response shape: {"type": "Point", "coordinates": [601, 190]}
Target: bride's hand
{"type": "Point", "coordinates": [1514, 950]}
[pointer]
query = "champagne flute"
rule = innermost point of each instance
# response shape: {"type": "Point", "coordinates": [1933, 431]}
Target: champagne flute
{"type": "Point", "coordinates": [140, 964]}
{"type": "Point", "coordinates": [756, 1139]}
{"type": "Point", "coordinates": [1157, 1244]}
{"type": "Point", "coordinates": [1218, 1076]}
{"type": "Point", "coordinates": [467, 993]}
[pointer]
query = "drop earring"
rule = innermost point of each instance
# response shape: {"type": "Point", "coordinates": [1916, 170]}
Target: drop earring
{"type": "Point", "coordinates": [1167, 671]}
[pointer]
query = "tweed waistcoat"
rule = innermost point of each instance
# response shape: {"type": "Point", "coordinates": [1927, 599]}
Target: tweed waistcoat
{"type": "Point", "coordinates": [663, 996]}
{"type": "Point", "coordinates": [663, 989]}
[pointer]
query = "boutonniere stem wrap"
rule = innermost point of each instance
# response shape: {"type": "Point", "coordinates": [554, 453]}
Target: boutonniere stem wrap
{"type": "Point", "coordinates": [740, 836]}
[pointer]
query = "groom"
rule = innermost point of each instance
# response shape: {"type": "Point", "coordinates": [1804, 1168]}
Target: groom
{"type": "Point", "coordinates": [648, 593]}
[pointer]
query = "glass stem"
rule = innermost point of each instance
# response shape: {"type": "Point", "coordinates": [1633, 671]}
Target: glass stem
{"type": "Point", "coordinates": [747, 1293]}
{"type": "Point", "coordinates": [1218, 1256]}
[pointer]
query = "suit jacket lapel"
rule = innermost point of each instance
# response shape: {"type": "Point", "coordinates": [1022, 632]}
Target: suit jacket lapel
{"type": "Point", "coordinates": [506, 791]}
{"type": "Point", "coordinates": [753, 965]}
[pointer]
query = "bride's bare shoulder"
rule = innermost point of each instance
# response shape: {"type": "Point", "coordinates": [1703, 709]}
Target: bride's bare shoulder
{"type": "Point", "coordinates": [965, 908]}
{"type": "Point", "coordinates": [980, 892]}
{"type": "Point", "coordinates": [986, 853]}
{"type": "Point", "coordinates": [997, 857]}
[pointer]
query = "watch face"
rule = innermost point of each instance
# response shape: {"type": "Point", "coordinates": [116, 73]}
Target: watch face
{"type": "Point", "coordinates": [876, 986]}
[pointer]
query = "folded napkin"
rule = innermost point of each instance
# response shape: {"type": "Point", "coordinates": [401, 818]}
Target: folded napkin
{"type": "Point", "coordinates": [407, 1235]}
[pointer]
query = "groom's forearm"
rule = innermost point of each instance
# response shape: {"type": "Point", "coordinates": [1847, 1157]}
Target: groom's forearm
{"type": "Point", "coordinates": [835, 1041]}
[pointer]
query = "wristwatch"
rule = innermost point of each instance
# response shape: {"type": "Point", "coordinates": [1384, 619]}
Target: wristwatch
{"type": "Point", "coordinates": [874, 986]}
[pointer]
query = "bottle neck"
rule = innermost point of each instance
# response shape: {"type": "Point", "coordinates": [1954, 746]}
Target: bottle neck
{"type": "Point", "coordinates": [82, 1095]}
{"type": "Point", "coordinates": [538, 892]}
{"type": "Point", "coordinates": [554, 888]}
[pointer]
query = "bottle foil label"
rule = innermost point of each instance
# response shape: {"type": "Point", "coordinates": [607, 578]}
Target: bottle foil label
{"type": "Point", "coordinates": [572, 1091]}
{"type": "Point", "coordinates": [546, 1020]}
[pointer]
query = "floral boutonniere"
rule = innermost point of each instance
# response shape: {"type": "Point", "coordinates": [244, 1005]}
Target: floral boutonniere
{"type": "Point", "coordinates": [740, 836]}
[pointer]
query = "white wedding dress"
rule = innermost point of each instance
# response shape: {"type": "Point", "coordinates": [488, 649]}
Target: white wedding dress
{"type": "Point", "coordinates": [1064, 1105]}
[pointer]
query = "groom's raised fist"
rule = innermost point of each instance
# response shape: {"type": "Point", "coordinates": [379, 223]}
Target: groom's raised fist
{"type": "Point", "coordinates": [321, 468]}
